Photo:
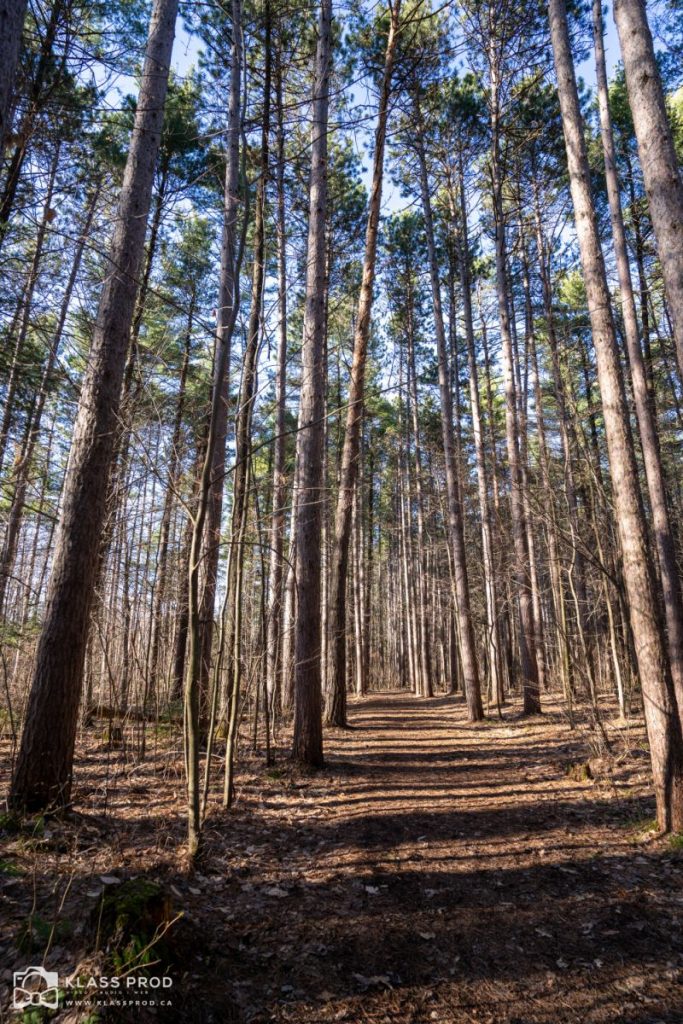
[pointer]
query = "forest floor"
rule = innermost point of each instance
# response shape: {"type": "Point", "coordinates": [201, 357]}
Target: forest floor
{"type": "Point", "coordinates": [434, 871]}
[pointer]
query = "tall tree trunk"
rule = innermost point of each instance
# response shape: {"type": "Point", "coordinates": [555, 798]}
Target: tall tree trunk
{"type": "Point", "coordinates": [661, 173]}
{"type": "Point", "coordinates": [244, 420]}
{"type": "Point", "coordinates": [277, 529]}
{"type": "Point", "coordinates": [308, 736]}
{"type": "Point", "coordinates": [492, 628]}
{"type": "Point", "coordinates": [336, 667]}
{"type": "Point", "coordinates": [663, 724]}
{"type": "Point", "coordinates": [173, 461]}
{"type": "Point", "coordinates": [44, 766]}
{"type": "Point", "coordinates": [12, 14]}
{"type": "Point", "coordinates": [213, 470]}
{"type": "Point", "coordinates": [664, 538]}
{"type": "Point", "coordinates": [456, 528]}
{"type": "Point", "coordinates": [527, 652]}
{"type": "Point", "coordinates": [424, 652]}
{"type": "Point", "coordinates": [225, 324]}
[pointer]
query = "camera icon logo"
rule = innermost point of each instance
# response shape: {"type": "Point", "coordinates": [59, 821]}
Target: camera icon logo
{"type": "Point", "coordinates": [35, 986]}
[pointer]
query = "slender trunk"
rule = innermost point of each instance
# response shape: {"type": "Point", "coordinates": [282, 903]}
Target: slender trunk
{"type": "Point", "coordinates": [277, 529]}
{"type": "Point", "coordinates": [46, 63]}
{"type": "Point", "coordinates": [23, 469]}
{"type": "Point", "coordinates": [228, 305]}
{"type": "Point", "coordinates": [424, 652]}
{"type": "Point", "coordinates": [336, 667]}
{"type": "Point", "coordinates": [453, 494]}
{"type": "Point", "coordinates": [209, 505]}
{"type": "Point", "coordinates": [244, 422]}
{"type": "Point", "coordinates": [492, 628]}
{"type": "Point", "coordinates": [23, 320]}
{"type": "Point", "coordinates": [527, 652]}
{"type": "Point", "coordinates": [173, 461]}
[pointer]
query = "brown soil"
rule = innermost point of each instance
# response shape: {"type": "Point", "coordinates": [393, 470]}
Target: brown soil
{"type": "Point", "coordinates": [433, 872]}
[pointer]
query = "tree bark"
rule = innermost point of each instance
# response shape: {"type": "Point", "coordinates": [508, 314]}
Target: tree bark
{"type": "Point", "coordinates": [213, 470]}
{"type": "Point", "coordinates": [43, 772]}
{"type": "Point", "coordinates": [663, 724]}
{"type": "Point", "coordinates": [336, 668]}
{"type": "Point", "coordinates": [240, 504]}
{"type": "Point", "coordinates": [12, 14]}
{"type": "Point", "coordinates": [307, 745]}
{"type": "Point", "coordinates": [277, 529]}
{"type": "Point", "coordinates": [663, 533]}
{"type": "Point", "coordinates": [661, 173]}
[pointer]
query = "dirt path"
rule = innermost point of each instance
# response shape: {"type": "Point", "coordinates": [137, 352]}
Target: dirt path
{"type": "Point", "coordinates": [442, 872]}
{"type": "Point", "coordinates": [433, 872]}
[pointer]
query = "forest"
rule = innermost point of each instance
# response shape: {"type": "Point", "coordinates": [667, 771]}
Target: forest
{"type": "Point", "coordinates": [341, 495]}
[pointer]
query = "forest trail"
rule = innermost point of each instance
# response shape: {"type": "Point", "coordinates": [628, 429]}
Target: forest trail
{"type": "Point", "coordinates": [433, 871]}
{"type": "Point", "coordinates": [437, 871]}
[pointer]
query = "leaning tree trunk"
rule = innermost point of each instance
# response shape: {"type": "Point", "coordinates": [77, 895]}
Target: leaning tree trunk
{"type": "Point", "coordinates": [663, 533]}
{"type": "Point", "coordinates": [661, 172]}
{"type": "Point", "coordinates": [663, 725]}
{"type": "Point", "coordinates": [308, 734]}
{"type": "Point", "coordinates": [336, 668]}
{"type": "Point", "coordinates": [12, 14]}
{"type": "Point", "coordinates": [44, 765]}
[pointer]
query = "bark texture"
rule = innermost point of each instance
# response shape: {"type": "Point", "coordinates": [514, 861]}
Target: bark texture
{"type": "Point", "coordinates": [661, 173]}
{"type": "Point", "coordinates": [44, 764]}
{"type": "Point", "coordinates": [308, 738]}
{"type": "Point", "coordinates": [661, 715]}
{"type": "Point", "coordinates": [12, 14]}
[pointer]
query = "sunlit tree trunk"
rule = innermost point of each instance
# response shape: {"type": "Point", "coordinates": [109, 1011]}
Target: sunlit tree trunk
{"type": "Point", "coordinates": [44, 765]}
{"type": "Point", "coordinates": [661, 171]}
{"type": "Point", "coordinates": [492, 628]}
{"type": "Point", "coordinates": [663, 534]}
{"type": "Point", "coordinates": [661, 715]}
